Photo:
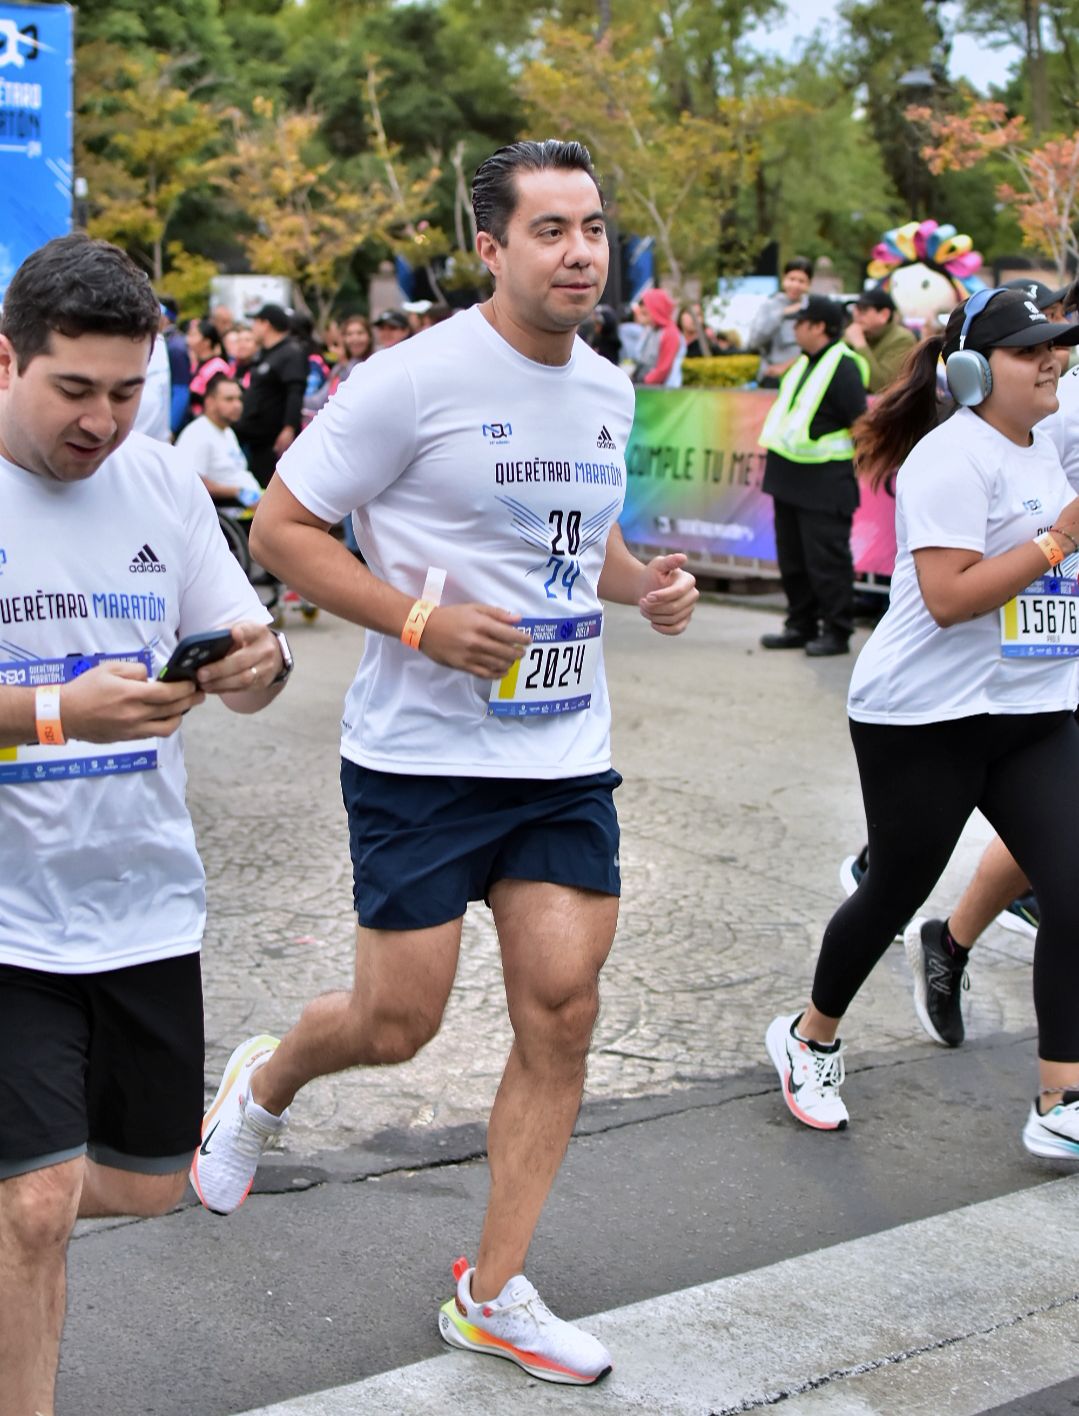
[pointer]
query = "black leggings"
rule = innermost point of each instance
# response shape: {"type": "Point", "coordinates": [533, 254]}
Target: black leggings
{"type": "Point", "coordinates": [919, 786]}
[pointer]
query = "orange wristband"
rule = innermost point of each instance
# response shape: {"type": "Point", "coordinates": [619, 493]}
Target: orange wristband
{"type": "Point", "coordinates": [1052, 552]}
{"type": "Point", "coordinates": [47, 713]}
{"type": "Point", "coordinates": [416, 623]}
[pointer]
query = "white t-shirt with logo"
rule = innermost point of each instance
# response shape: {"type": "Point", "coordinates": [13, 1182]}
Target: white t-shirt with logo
{"type": "Point", "coordinates": [215, 453]}
{"type": "Point", "coordinates": [454, 451]}
{"type": "Point", "coordinates": [1063, 426]}
{"type": "Point", "coordinates": [964, 486]}
{"type": "Point", "coordinates": [98, 866]}
{"type": "Point", "coordinates": [155, 399]}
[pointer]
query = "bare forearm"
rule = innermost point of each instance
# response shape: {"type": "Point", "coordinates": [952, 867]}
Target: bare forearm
{"type": "Point", "coordinates": [982, 587]}
{"type": "Point", "coordinates": [309, 560]}
{"type": "Point", "coordinates": [17, 718]}
{"type": "Point", "coordinates": [623, 579]}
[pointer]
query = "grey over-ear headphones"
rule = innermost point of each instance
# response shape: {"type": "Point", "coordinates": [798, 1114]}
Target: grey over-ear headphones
{"type": "Point", "coordinates": [969, 376]}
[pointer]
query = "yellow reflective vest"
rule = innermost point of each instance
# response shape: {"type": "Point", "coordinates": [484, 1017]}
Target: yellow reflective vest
{"type": "Point", "coordinates": [786, 429]}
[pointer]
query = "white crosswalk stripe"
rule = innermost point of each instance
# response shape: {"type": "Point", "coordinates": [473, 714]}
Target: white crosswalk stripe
{"type": "Point", "coordinates": [948, 1316]}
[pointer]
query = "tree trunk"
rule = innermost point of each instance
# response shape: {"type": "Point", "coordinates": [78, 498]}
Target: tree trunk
{"type": "Point", "coordinates": [1036, 67]}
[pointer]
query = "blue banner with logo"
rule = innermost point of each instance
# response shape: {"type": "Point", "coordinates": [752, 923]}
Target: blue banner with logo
{"type": "Point", "coordinates": [36, 72]}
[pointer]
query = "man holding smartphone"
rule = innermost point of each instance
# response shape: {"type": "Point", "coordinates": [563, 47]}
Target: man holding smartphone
{"type": "Point", "coordinates": [485, 464]}
{"type": "Point", "coordinates": [110, 554]}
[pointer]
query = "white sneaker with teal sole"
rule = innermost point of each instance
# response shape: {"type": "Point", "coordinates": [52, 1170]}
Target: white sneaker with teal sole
{"type": "Point", "coordinates": [518, 1325]}
{"type": "Point", "coordinates": [1056, 1134]}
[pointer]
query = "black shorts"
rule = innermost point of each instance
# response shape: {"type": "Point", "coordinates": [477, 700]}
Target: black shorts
{"type": "Point", "coordinates": [423, 847]}
{"type": "Point", "coordinates": [109, 1065]}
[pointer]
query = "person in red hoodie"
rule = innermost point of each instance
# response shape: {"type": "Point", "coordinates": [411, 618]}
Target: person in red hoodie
{"type": "Point", "coordinates": [663, 347]}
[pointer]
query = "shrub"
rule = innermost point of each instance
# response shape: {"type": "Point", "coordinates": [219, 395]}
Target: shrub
{"type": "Point", "coordinates": [720, 371]}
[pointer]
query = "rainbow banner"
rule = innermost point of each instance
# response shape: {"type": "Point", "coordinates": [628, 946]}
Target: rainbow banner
{"type": "Point", "coordinates": [694, 485]}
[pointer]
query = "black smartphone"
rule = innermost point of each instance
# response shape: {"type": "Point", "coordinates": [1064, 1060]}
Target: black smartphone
{"type": "Point", "coordinates": [193, 651]}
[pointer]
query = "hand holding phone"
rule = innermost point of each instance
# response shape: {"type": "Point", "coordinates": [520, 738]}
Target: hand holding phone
{"type": "Point", "coordinates": [195, 650]}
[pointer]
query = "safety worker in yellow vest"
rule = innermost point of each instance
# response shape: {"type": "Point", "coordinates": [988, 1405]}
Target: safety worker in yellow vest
{"type": "Point", "coordinates": [809, 474]}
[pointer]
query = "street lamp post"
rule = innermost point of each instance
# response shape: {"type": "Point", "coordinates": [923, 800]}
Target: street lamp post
{"type": "Point", "coordinates": [915, 86]}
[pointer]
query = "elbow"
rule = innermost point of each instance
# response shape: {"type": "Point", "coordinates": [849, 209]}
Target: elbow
{"type": "Point", "coordinates": [945, 615]}
{"type": "Point", "coordinates": [260, 541]}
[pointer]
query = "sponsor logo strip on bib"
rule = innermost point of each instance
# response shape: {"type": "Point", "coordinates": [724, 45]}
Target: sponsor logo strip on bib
{"type": "Point", "coordinates": [73, 758]}
{"type": "Point", "coordinates": [557, 671]}
{"type": "Point", "coordinates": [1042, 621]}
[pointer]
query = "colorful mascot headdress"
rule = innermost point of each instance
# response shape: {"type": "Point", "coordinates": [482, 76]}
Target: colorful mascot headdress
{"type": "Point", "coordinates": [927, 269]}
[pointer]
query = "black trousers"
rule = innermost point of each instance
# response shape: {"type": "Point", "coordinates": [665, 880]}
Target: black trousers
{"type": "Point", "coordinates": [262, 460]}
{"type": "Point", "coordinates": [813, 549]}
{"type": "Point", "coordinates": [919, 786]}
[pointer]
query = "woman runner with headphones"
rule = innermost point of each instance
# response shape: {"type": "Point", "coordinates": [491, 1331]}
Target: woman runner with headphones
{"type": "Point", "coordinates": [965, 693]}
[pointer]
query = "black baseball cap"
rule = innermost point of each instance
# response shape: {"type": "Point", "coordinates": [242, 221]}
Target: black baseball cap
{"type": "Point", "coordinates": [1012, 320]}
{"type": "Point", "coordinates": [395, 319]}
{"type": "Point", "coordinates": [876, 298]}
{"type": "Point", "coordinates": [819, 309]}
{"type": "Point", "coordinates": [1036, 290]}
{"type": "Point", "coordinates": [275, 316]}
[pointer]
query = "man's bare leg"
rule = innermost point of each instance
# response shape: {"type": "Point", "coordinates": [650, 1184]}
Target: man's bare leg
{"type": "Point", "coordinates": [403, 979]}
{"type": "Point", "coordinates": [107, 1191]}
{"type": "Point", "coordinates": [997, 881]}
{"type": "Point", "coordinates": [554, 942]}
{"type": "Point", "coordinates": [37, 1213]}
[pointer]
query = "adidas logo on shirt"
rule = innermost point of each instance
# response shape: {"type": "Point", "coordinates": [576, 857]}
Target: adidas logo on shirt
{"type": "Point", "coordinates": [605, 440]}
{"type": "Point", "coordinates": [145, 561]}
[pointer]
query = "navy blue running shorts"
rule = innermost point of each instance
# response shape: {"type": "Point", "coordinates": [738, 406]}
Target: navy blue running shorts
{"type": "Point", "coordinates": [423, 847]}
{"type": "Point", "coordinates": [108, 1065]}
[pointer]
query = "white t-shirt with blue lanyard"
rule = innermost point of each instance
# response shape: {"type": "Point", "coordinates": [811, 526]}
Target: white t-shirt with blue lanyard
{"type": "Point", "coordinates": [454, 451]}
{"type": "Point", "coordinates": [98, 866]}
{"type": "Point", "coordinates": [967, 486]}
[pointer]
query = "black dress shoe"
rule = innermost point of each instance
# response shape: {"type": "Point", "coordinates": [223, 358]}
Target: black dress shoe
{"type": "Point", "coordinates": [785, 639]}
{"type": "Point", "coordinates": [827, 644]}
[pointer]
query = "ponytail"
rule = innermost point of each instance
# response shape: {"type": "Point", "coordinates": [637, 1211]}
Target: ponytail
{"type": "Point", "coordinates": [901, 417]}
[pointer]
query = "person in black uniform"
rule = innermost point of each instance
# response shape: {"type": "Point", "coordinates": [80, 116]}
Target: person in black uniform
{"type": "Point", "coordinates": [809, 473]}
{"type": "Point", "coordinates": [273, 397]}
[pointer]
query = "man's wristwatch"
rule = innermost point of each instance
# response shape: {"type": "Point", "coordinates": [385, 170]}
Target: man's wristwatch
{"type": "Point", "coordinates": [287, 661]}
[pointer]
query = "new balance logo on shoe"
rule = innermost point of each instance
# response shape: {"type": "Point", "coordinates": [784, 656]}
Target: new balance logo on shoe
{"type": "Point", "coordinates": [605, 440]}
{"type": "Point", "coordinates": [146, 561]}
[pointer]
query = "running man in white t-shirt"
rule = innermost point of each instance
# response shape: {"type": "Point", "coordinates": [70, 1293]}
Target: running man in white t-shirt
{"type": "Point", "coordinates": [110, 553]}
{"type": "Point", "coordinates": [965, 695]}
{"type": "Point", "coordinates": [212, 448]}
{"type": "Point", "coordinates": [483, 466]}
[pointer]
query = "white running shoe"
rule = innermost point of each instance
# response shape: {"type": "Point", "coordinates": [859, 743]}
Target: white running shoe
{"type": "Point", "coordinates": [235, 1131]}
{"type": "Point", "coordinates": [1056, 1134]}
{"type": "Point", "coordinates": [851, 870]}
{"type": "Point", "coordinates": [519, 1325]}
{"type": "Point", "coordinates": [811, 1079]}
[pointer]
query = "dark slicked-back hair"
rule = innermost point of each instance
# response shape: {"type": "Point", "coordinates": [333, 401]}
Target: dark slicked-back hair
{"type": "Point", "coordinates": [494, 191]}
{"type": "Point", "coordinates": [75, 286]}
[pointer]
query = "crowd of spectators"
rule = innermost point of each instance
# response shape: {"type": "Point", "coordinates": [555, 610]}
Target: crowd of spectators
{"type": "Point", "coordinates": [283, 370]}
{"type": "Point", "coordinates": [234, 393]}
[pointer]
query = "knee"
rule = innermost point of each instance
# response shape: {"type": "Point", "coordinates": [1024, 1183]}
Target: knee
{"type": "Point", "coordinates": [561, 1025]}
{"type": "Point", "coordinates": [388, 1035]}
{"type": "Point", "coordinates": [38, 1210]}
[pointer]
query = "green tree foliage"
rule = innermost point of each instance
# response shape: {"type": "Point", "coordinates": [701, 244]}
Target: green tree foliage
{"type": "Point", "coordinates": [822, 188]}
{"type": "Point", "coordinates": [144, 142]}
{"type": "Point", "coordinates": [713, 151]}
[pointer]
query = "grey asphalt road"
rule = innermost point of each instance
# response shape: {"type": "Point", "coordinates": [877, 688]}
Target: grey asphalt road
{"type": "Point", "coordinates": [334, 1270]}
